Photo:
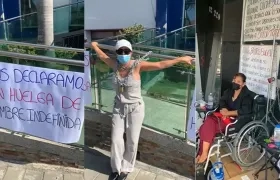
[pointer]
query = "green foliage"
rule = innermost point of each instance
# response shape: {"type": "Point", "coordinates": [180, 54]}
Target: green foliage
{"type": "Point", "coordinates": [16, 49]}
{"type": "Point", "coordinates": [33, 51]}
{"type": "Point", "coordinates": [102, 67]}
{"type": "Point", "coordinates": [65, 54]}
{"type": "Point", "coordinates": [186, 66]}
{"type": "Point", "coordinates": [133, 33]}
{"type": "Point", "coordinates": [21, 49]}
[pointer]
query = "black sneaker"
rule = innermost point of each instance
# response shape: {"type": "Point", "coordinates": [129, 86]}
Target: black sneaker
{"type": "Point", "coordinates": [114, 176]}
{"type": "Point", "coordinates": [122, 176]}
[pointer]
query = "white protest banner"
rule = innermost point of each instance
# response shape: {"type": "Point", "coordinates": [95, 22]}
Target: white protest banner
{"type": "Point", "coordinates": [42, 102]}
{"type": "Point", "coordinates": [255, 63]}
{"type": "Point", "coordinates": [191, 129]}
{"type": "Point", "coordinates": [261, 20]}
{"type": "Point", "coordinates": [88, 94]}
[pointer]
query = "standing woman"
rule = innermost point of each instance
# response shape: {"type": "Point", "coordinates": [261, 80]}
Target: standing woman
{"type": "Point", "coordinates": [129, 109]}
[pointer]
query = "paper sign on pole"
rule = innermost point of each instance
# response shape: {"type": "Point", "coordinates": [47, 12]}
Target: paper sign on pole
{"type": "Point", "coordinates": [88, 94]}
{"type": "Point", "coordinates": [256, 63]}
{"type": "Point", "coordinates": [42, 102]}
{"type": "Point", "coordinates": [262, 20]}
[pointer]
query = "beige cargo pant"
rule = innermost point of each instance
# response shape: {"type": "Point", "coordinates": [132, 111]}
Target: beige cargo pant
{"type": "Point", "coordinates": [127, 118]}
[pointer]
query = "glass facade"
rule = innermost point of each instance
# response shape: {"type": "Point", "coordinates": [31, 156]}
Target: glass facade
{"type": "Point", "coordinates": [189, 13]}
{"type": "Point", "coordinates": [188, 36]}
{"type": "Point", "coordinates": [68, 17]}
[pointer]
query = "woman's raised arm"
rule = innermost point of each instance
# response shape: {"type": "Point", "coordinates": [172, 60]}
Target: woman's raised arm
{"type": "Point", "coordinates": [102, 55]}
{"type": "Point", "coordinates": [153, 66]}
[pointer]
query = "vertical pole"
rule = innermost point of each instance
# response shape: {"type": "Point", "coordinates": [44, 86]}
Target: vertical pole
{"type": "Point", "coordinates": [189, 102]}
{"type": "Point", "coordinates": [184, 11]}
{"type": "Point", "coordinates": [70, 14]}
{"type": "Point", "coordinates": [271, 75]}
{"type": "Point", "coordinates": [175, 42]}
{"type": "Point", "coordinates": [197, 71]}
{"type": "Point", "coordinates": [4, 22]}
{"type": "Point", "coordinates": [242, 30]}
{"type": "Point", "coordinates": [20, 19]}
{"type": "Point", "coordinates": [151, 37]}
{"type": "Point", "coordinates": [98, 91]}
{"type": "Point", "coordinates": [95, 87]}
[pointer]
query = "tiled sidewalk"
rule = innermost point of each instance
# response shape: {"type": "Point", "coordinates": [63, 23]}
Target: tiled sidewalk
{"type": "Point", "coordinates": [35, 171]}
{"type": "Point", "coordinates": [97, 164]}
{"type": "Point", "coordinates": [98, 168]}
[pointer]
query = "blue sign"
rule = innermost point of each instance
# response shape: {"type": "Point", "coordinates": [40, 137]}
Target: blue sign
{"type": "Point", "coordinates": [11, 8]}
{"type": "Point", "coordinates": [174, 14]}
{"type": "Point", "coordinates": [161, 16]}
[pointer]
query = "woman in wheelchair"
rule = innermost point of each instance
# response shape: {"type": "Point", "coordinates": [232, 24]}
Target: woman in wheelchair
{"type": "Point", "coordinates": [235, 101]}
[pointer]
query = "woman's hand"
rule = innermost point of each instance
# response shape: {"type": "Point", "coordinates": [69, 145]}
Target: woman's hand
{"type": "Point", "coordinates": [187, 59]}
{"type": "Point", "coordinates": [224, 112]}
{"type": "Point", "coordinates": [94, 44]}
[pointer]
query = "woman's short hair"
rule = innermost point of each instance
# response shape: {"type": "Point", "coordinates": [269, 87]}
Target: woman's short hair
{"type": "Point", "coordinates": [243, 77]}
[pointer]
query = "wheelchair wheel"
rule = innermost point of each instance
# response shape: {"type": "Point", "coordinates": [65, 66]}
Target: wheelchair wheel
{"type": "Point", "coordinates": [246, 149]}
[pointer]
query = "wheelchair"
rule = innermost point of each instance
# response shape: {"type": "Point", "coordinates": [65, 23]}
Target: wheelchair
{"type": "Point", "coordinates": [238, 131]}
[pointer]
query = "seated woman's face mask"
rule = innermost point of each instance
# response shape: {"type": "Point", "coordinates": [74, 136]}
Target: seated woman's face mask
{"type": "Point", "coordinates": [235, 86]}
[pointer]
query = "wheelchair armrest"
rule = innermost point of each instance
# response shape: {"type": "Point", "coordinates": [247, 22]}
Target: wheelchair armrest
{"type": "Point", "coordinates": [211, 112]}
{"type": "Point", "coordinates": [256, 96]}
{"type": "Point", "coordinates": [244, 119]}
{"type": "Point", "coordinates": [230, 124]}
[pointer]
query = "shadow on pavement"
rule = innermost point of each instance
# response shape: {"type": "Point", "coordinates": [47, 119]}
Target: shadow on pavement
{"type": "Point", "coordinates": [97, 161]}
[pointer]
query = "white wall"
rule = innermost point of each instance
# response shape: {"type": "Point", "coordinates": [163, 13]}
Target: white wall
{"type": "Point", "coordinates": [118, 14]}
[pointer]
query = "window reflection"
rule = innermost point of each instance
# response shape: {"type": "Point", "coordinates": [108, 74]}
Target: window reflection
{"type": "Point", "coordinates": [188, 34]}
{"type": "Point", "coordinates": [29, 7]}
{"type": "Point", "coordinates": [189, 14]}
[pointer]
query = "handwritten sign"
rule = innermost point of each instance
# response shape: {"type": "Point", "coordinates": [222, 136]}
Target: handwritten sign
{"type": "Point", "coordinates": [191, 129]}
{"type": "Point", "coordinates": [42, 102]}
{"type": "Point", "coordinates": [262, 20]}
{"type": "Point", "coordinates": [255, 63]}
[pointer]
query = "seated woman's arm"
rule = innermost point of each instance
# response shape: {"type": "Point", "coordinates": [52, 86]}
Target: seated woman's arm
{"type": "Point", "coordinates": [229, 113]}
{"type": "Point", "coordinates": [245, 109]}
